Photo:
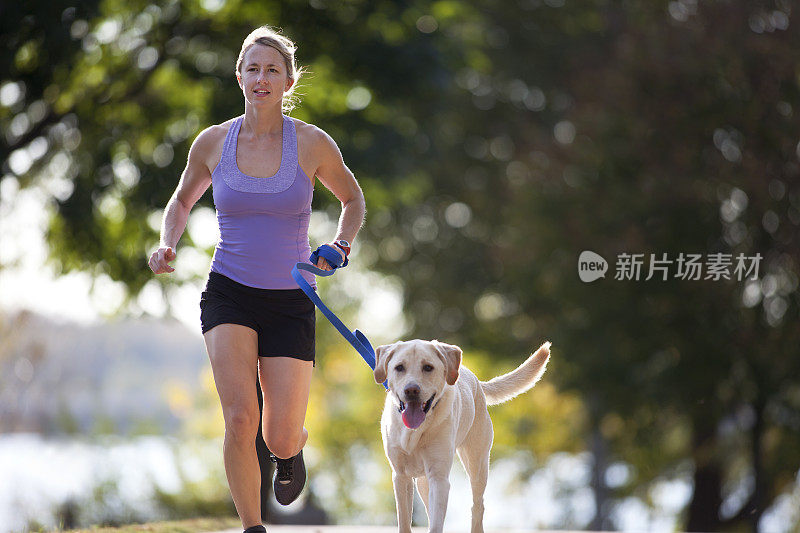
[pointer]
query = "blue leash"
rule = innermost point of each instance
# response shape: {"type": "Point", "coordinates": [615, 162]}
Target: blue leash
{"type": "Point", "coordinates": [334, 258]}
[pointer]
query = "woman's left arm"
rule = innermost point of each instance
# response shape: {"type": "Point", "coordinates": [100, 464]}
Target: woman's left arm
{"type": "Point", "coordinates": [334, 174]}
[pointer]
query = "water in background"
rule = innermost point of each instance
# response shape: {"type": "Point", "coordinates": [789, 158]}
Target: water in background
{"type": "Point", "coordinates": [115, 480]}
{"type": "Point", "coordinates": [104, 481]}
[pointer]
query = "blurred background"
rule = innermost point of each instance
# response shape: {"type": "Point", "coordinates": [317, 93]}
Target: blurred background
{"type": "Point", "coordinates": [495, 141]}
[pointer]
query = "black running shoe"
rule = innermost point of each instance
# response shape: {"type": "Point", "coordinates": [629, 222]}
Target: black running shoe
{"type": "Point", "coordinates": [290, 478]}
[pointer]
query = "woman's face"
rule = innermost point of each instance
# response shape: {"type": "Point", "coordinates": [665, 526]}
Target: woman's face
{"type": "Point", "coordinates": [263, 78]}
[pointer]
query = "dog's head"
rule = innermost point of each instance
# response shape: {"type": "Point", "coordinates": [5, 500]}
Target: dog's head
{"type": "Point", "coordinates": [417, 372]}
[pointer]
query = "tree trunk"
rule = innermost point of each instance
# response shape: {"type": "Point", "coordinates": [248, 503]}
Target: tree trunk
{"type": "Point", "coordinates": [599, 447]}
{"type": "Point", "coordinates": [758, 500]}
{"type": "Point", "coordinates": [707, 495]}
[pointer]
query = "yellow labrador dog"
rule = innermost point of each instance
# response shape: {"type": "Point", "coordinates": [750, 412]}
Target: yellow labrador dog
{"type": "Point", "coordinates": [434, 409]}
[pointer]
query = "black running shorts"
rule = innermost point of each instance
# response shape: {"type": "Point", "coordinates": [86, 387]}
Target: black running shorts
{"type": "Point", "coordinates": [284, 319]}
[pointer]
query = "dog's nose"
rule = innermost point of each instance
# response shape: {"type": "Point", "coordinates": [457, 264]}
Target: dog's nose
{"type": "Point", "coordinates": [412, 391]}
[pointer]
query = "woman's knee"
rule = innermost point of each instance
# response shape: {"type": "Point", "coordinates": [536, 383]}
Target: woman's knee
{"type": "Point", "coordinates": [241, 424]}
{"type": "Point", "coordinates": [284, 444]}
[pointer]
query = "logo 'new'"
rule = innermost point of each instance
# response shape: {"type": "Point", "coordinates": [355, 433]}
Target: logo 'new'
{"type": "Point", "coordinates": [591, 266]}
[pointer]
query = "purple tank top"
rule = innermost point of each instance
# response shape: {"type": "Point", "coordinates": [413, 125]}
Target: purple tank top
{"type": "Point", "coordinates": [263, 222]}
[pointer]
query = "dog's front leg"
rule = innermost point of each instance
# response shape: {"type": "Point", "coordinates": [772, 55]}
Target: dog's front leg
{"type": "Point", "coordinates": [404, 496]}
{"type": "Point", "coordinates": [438, 494]}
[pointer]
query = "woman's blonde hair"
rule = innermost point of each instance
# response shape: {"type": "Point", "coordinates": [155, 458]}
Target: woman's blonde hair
{"type": "Point", "coordinates": [268, 36]}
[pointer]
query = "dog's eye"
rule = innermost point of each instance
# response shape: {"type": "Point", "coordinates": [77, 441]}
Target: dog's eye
{"type": "Point", "coordinates": [427, 368]}
{"type": "Point", "coordinates": [400, 368]}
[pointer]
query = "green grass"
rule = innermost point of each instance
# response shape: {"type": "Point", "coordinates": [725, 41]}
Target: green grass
{"type": "Point", "coordinates": [194, 525]}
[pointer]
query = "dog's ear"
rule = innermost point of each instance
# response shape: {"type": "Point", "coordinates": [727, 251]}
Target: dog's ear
{"type": "Point", "coordinates": [452, 360]}
{"type": "Point", "coordinates": [382, 356]}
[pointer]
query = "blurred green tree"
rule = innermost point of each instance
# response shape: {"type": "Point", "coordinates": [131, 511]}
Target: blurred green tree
{"type": "Point", "coordinates": [653, 129]}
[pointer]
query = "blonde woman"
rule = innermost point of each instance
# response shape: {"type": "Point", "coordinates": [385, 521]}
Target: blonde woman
{"type": "Point", "coordinates": [262, 167]}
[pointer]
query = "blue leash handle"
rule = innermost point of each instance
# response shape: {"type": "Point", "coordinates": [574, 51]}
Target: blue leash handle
{"type": "Point", "coordinates": [355, 338]}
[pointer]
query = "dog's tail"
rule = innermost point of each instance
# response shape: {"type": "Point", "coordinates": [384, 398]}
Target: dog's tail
{"type": "Point", "coordinates": [521, 379]}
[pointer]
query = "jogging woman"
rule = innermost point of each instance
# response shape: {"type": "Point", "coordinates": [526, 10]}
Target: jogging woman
{"type": "Point", "coordinates": [257, 324]}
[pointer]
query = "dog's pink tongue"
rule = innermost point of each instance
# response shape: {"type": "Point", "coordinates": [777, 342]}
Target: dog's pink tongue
{"type": "Point", "coordinates": [413, 415]}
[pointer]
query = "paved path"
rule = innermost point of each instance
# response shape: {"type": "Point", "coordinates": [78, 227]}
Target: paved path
{"type": "Point", "coordinates": [366, 529]}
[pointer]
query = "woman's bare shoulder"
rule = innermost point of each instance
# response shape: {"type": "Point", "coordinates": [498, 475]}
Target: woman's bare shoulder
{"type": "Point", "coordinates": [207, 146]}
{"type": "Point", "coordinates": [314, 137]}
{"type": "Point", "coordinates": [309, 132]}
{"type": "Point", "coordinates": [212, 136]}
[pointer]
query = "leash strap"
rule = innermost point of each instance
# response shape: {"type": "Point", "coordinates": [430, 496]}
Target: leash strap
{"type": "Point", "coordinates": [331, 254]}
{"type": "Point", "coordinates": [357, 339]}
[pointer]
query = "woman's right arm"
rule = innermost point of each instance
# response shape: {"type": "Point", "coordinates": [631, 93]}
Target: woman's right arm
{"type": "Point", "coordinates": [195, 180]}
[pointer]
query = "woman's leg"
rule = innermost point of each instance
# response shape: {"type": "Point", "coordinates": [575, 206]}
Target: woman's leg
{"type": "Point", "coordinates": [285, 384]}
{"type": "Point", "coordinates": [233, 351]}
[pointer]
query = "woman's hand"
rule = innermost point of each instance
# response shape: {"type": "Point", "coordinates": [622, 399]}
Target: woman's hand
{"type": "Point", "coordinates": [160, 259]}
{"type": "Point", "coordinates": [322, 263]}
